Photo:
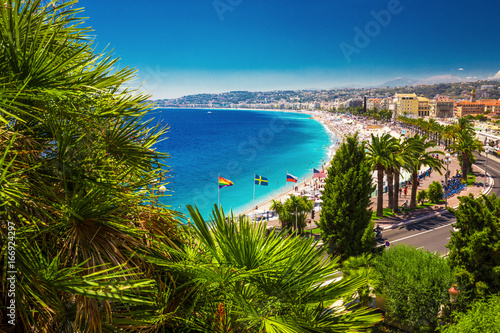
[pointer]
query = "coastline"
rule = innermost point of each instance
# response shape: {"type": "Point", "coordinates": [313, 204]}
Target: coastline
{"type": "Point", "coordinates": [309, 112]}
{"type": "Point", "coordinates": [265, 204]}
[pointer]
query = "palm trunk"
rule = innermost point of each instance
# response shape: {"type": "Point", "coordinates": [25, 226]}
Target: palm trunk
{"type": "Point", "coordinates": [390, 181]}
{"type": "Point", "coordinates": [380, 196]}
{"type": "Point", "coordinates": [465, 165]}
{"type": "Point", "coordinates": [395, 204]}
{"type": "Point", "coordinates": [414, 187]}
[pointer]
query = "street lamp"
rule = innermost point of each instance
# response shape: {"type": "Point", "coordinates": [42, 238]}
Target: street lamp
{"type": "Point", "coordinates": [486, 151]}
{"type": "Point", "coordinates": [453, 298]}
{"type": "Point", "coordinates": [447, 160]}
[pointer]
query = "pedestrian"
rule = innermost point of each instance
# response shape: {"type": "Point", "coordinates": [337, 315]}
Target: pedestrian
{"type": "Point", "coordinates": [406, 190]}
{"type": "Point", "coordinates": [400, 191]}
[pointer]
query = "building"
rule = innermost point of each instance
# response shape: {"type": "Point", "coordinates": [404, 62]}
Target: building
{"type": "Point", "coordinates": [353, 103]}
{"type": "Point", "coordinates": [492, 108]}
{"type": "Point", "coordinates": [406, 105]}
{"type": "Point", "coordinates": [374, 103]}
{"type": "Point", "coordinates": [441, 107]}
{"type": "Point", "coordinates": [473, 96]}
{"type": "Point", "coordinates": [487, 87]}
{"type": "Point", "coordinates": [423, 107]}
{"type": "Point", "coordinates": [467, 108]}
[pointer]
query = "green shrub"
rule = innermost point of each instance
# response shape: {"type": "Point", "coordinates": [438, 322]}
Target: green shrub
{"type": "Point", "coordinates": [414, 283]}
{"type": "Point", "coordinates": [482, 317]}
{"type": "Point", "coordinates": [422, 196]}
{"type": "Point", "coordinates": [435, 192]}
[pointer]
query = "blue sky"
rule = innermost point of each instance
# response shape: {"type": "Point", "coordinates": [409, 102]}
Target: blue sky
{"type": "Point", "coordinates": [185, 47]}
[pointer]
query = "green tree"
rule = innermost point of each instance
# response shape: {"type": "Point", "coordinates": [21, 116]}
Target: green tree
{"type": "Point", "coordinates": [402, 160]}
{"type": "Point", "coordinates": [380, 153]}
{"type": "Point", "coordinates": [296, 209]}
{"type": "Point", "coordinates": [475, 246]}
{"type": "Point", "coordinates": [345, 216]}
{"type": "Point", "coordinates": [481, 317]}
{"type": "Point", "coordinates": [422, 196]}
{"type": "Point", "coordinates": [435, 192]}
{"type": "Point", "coordinates": [279, 209]}
{"type": "Point", "coordinates": [421, 156]}
{"type": "Point", "coordinates": [464, 125]}
{"type": "Point", "coordinates": [414, 283]}
{"type": "Point", "coordinates": [465, 146]}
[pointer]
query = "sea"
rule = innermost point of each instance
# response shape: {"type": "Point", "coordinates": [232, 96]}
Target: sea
{"type": "Point", "coordinates": [204, 144]}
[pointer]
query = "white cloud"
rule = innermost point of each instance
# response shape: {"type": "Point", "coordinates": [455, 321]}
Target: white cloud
{"type": "Point", "coordinates": [460, 69]}
{"type": "Point", "coordinates": [495, 77]}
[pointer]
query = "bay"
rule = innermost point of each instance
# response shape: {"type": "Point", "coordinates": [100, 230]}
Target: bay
{"type": "Point", "coordinates": [236, 144]}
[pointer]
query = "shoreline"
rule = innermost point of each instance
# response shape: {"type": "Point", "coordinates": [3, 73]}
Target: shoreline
{"type": "Point", "coordinates": [264, 205]}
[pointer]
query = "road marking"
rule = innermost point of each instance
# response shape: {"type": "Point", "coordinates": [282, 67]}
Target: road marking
{"type": "Point", "coordinates": [421, 233]}
{"type": "Point", "coordinates": [489, 167]}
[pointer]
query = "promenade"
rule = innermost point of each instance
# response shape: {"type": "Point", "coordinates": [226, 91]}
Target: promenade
{"type": "Point", "coordinates": [452, 201]}
{"type": "Point", "coordinates": [419, 214]}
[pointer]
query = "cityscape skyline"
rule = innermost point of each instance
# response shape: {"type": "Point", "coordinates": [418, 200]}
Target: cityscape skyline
{"type": "Point", "coordinates": [213, 46]}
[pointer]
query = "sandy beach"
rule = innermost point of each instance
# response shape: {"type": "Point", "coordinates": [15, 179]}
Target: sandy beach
{"type": "Point", "coordinates": [339, 126]}
{"type": "Point", "coordinates": [311, 184]}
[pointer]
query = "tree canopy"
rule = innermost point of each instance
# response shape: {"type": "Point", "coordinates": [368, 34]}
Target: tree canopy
{"type": "Point", "coordinates": [475, 246]}
{"type": "Point", "coordinates": [345, 216]}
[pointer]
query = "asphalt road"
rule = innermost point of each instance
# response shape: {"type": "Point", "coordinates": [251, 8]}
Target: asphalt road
{"type": "Point", "coordinates": [433, 234]}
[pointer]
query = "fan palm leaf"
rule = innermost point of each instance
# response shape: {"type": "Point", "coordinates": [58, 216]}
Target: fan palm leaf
{"type": "Point", "coordinates": [245, 281]}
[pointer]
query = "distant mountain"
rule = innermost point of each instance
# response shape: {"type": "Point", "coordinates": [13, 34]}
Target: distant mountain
{"type": "Point", "coordinates": [403, 82]}
{"type": "Point", "coordinates": [398, 82]}
{"type": "Point", "coordinates": [440, 79]}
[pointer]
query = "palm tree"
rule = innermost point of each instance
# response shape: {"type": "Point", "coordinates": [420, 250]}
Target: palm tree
{"type": "Point", "coordinates": [76, 143]}
{"type": "Point", "coordinates": [242, 281]}
{"type": "Point", "coordinates": [463, 125]}
{"type": "Point", "coordinates": [402, 160]}
{"type": "Point", "coordinates": [433, 128]}
{"type": "Point", "coordinates": [297, 209]}
{"type": "Point", "coordinates": [380, 156]}
{"type": "Point", "coordinates": [362, 266]}
{"type": "Point", "coordinates": [448, 135]}
{"type": "Point", "coordinates": [421, 155]}
{"type": "Point", "coordinates": [465, 146]}
{"type": "Point", "coordinates": [279, 209]}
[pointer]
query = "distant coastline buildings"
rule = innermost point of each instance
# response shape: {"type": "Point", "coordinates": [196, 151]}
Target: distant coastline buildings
{"type": "Point", "coordinates": [413, 101]}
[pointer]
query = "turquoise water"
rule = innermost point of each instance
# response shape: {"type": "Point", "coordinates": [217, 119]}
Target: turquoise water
{"type": "Point", "coordinates": [236, 144]}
